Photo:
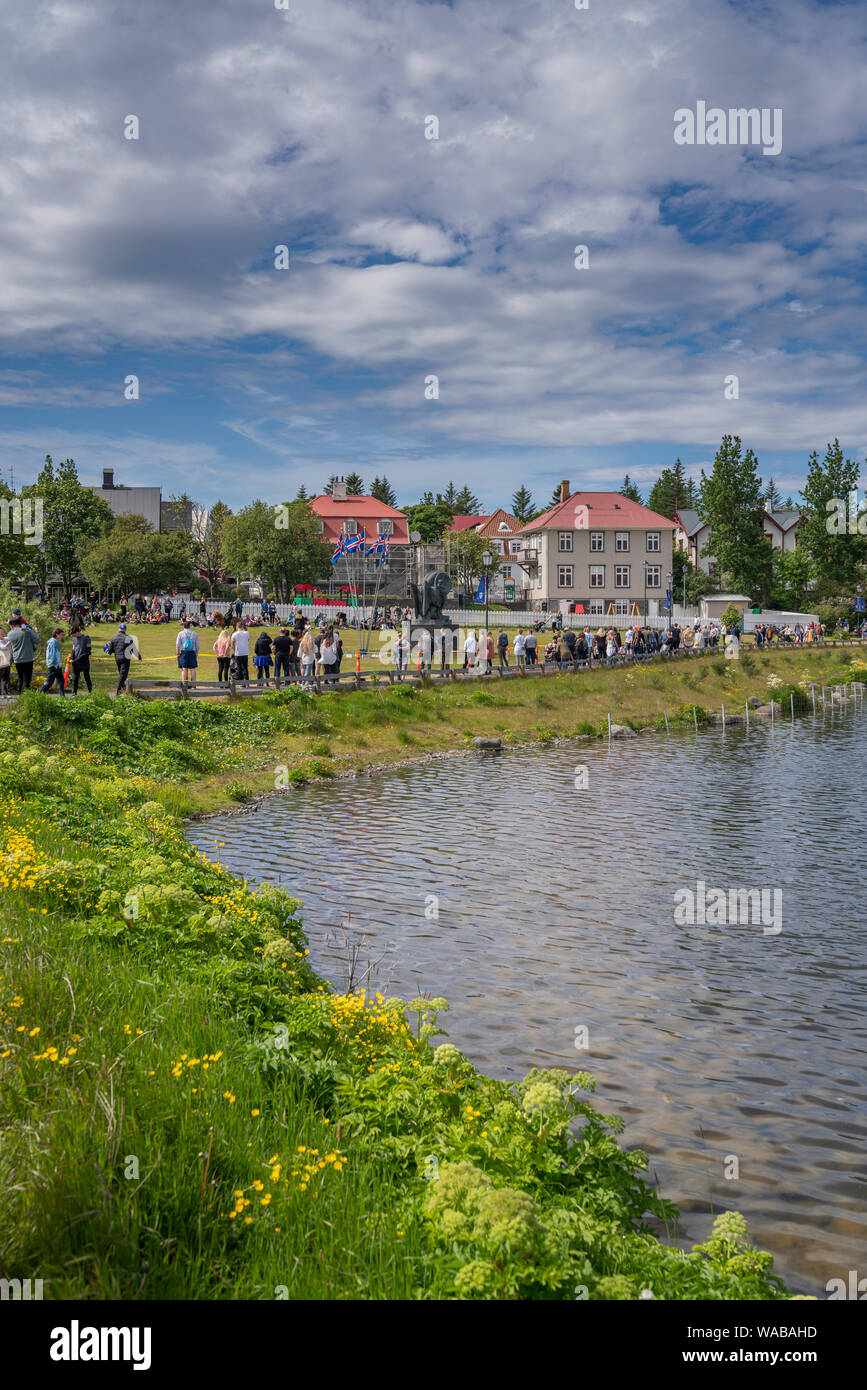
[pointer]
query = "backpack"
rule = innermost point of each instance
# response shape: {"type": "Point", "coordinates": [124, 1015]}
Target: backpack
{"type": "Point", "coordinates": [189, 644]}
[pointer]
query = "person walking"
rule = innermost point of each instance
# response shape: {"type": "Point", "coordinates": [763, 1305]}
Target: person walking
{"type": "Point", "coordinates": [81, 648]}
{"type": "Point", "coordinates": [262, 657]}
{"type": "Point", "coordinates": [54, 663]}
{"type": "Point", "coordinates": [240, 644]}
{"type": "Point", "coordinates": [471, 646]}
{"type": "Point", "coordinates": [123, 648]}
{"type": "Point", "coordinates": [24, 644]}
{"type": "Point", "coordinates": [5, 664]}
{"type": "Point", "coordinates": [531, 644]}
{"type": "Point", "coordinates": [489, 652]}
{"type": "Point", "coordinates": [187, 650]}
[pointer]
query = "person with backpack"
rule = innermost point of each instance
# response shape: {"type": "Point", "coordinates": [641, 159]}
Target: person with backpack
{"type": "Point", "coordinates": [262, 657]}
{"type": "Point", "coordinates": [54, 663]}
{"type": "Point", "coordinates": [81, 648]}
{"type": "Point", "coordinates": [187, 649]}
{"type": "Point", "coordinates": [123, 648]}
{"type": "Point", "coordinates": [24, 644]}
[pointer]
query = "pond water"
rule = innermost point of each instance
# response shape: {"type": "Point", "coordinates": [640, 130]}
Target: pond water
{"type": "Point", "coordinates": [541, 907]}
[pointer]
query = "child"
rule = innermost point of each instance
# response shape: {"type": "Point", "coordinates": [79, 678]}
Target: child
{"type": "Point", "coordinates": [53, 662]}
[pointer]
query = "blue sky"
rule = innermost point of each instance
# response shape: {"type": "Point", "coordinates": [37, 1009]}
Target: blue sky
{"type": "Point", "coordinates": [412, 257]}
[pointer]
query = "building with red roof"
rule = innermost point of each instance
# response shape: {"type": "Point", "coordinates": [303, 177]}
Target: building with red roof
{"type": "Point", "coordinates": [599, 553]}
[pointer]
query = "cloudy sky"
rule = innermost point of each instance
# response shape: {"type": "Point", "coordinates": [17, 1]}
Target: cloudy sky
{"type": "Point", "coordinates": [413, 257]}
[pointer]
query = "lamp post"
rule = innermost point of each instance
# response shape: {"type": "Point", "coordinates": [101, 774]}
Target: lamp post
{"type": "Point", "coordinates": [645, 593]}
{"type": "Point", "coordinates": [487, 560]}
{"type": "Point", "coordinates": [670, 603]}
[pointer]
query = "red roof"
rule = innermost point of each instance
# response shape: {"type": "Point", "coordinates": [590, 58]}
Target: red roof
{"type": "Point", "coordinates": [602, 509]}
{"type": "Point", "coordinates": [367, 511]}
{"type": "Point", "coordinates": [467, 523]}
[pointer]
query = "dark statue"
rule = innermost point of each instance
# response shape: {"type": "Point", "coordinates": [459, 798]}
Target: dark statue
{"type": "Point", "coordinates": [430, 596]}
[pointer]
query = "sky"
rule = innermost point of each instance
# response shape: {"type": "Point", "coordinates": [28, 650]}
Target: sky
{"type": "Point", "coordinates": [410, 257]}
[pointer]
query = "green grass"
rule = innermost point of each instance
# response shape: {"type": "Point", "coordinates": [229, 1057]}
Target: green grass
{"type": "Point", "coordinates": [131, 955]}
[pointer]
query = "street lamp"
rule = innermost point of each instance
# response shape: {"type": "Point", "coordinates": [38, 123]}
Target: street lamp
{"type": "Point", "coordinates": [487, 561]}
{"type": "Point", "coordinates": [670, 603]}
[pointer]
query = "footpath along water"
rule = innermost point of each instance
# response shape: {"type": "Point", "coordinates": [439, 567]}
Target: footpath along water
{"type": "Point", "coordinates": [537, 891]}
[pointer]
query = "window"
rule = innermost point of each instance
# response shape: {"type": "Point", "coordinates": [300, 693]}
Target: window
{"type": "Point", "coordinates": [504, 526]}
{"type": "Point", "coordinates": [515, 547]}
{"type": "Point", "coordinates": [653, 540]}
{"type": "Point", "coordinates": [506, 571]}
{"type": "Point", "coordinates": [621, 540]}
{"type": "Point", "coordinates": [621, 576]}
{"type": "Point", "coordinates": [564, 540]}
{"type": "Point", "coordinates": [621, 608]}
{"type": "Point", "coordinates": [597, 576]}
{"type": "Point", "coordinates": [654, 576]}
{"type": "Point", "coordinates": [597, 606]}
{"type": "Point", "coordinates": [564, 576]}
{"type": "Point", "coordinates": [350, 527]}
{"type": "Point", "coordinates": [597, 540]}
{"type": "Point", "coordinates": [320, 526]}
{"type": "Point", "coordinates": [385, 528]}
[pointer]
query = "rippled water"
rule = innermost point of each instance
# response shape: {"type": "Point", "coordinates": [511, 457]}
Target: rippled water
{"type": "Point", "coordinates": [556, 912]}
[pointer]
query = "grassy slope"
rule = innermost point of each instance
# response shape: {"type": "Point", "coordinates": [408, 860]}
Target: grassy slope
{"type": "Point", "coordinates": [147, 1092]}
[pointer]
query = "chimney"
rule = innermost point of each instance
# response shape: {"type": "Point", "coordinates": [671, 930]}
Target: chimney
{"type": "Point", "coordinates": [564, 490]}
{"type": "Point", "coordinates": [108, 478]}
{"type": "Point", "coordinates": [338, 491]}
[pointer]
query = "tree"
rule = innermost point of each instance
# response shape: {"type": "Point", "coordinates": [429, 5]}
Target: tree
{"type": "Point", "coordinates": [280, 546]}
{"type": "Point", "coordinates": [21, 536]}
{"type": "Point", "coordinates": [834, 552]}
{"type": "Point", "coordinates": [556, 499]}
{"type": "Point", "coordinates": [73, 518]}
{"type": "Point", "coordinates": [450, 497]}
{"type": "Point", "coordinates": [772, 496]}
{"type": "Point", "coordinates": [522, 504]}
{"type": "Point", "coordinates": [354, 484]}
{"type": "Point", "coordinates": [131, 557]}
{"type": "Point", "coordinates": [302, 494]}
{"type": "Point", "coordinates": [733, 507]}
{"type": "Point", "coordinates": [629, 489]}
{"type": "Point", "coordinates": [791, 579]}
{"type": "Point", "coordinates": [672, 491]}
{"type": "Point", "coordinates": [466, 503]}
{"type": "Point", "coordinates": [430, 518]}
{"type": "Point", "coordinates": [383, 491]}
{"type": "Point", "coordinates": [697, 582]}
{"type": "Point", "coordinates": [466, 549]}
{"type": "Point", "coordinates": [209, 542]}
{"type": "Point", "coordinates": [329, 486]}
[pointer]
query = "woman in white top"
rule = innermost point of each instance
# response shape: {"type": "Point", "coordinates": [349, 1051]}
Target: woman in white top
{"type": "Point", "coordinates": [519, 647]}
{"type": "Point", "coordinates": [328, 656]}
{"type": "Point", "coordinates": [471, 646]}
{"type": "Point", "coordinates": [241, 653]}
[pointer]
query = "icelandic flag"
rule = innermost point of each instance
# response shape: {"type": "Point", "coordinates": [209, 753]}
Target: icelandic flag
{"type": "Point", "coordinates": [339, 549]}
{"type": "Point", "coordinates": [354, 542]}
{"type": "Point", "coordinates": [482, 591]}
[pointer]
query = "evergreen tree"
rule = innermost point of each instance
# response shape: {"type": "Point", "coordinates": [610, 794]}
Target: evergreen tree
{"type": "Point", "coordinates": [772, 496]}
{"type": "Point", "coordinates": [671, 491]}
{"type": "Point", "coordinates": [450, 497]}
{"type": "Point", "coordinates": [466, 503]}
{"type": "Point", "coordinates": [733, 507]}
{"type": "Point", "coordinates": [522, 504]}
{"type": "Point", "coordinates": [629, 489]}
{"type": "Point", "coordinates": [329, 486]}
{"type": "Point", "coordinates": [302, 494]}
{"type": "Point", "coordinates": [555, 498]}
{"type": "Point", "coordinates": [354, 484]}
{"type": "Point", "coordinates": [383, 491]}
{"type": "Point", "coordinates": [825, 534]}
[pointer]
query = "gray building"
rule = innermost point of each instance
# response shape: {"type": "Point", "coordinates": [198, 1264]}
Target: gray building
{"type": "Point", "coordinates": [132, 501]}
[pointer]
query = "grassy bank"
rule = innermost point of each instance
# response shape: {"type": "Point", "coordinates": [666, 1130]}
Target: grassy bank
{"type": "Point", "coordinates": [187, 1111]}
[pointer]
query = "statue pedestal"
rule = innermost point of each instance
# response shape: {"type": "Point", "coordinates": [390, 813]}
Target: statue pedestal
{"type": "Point", "coordinates": [436, 639]}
